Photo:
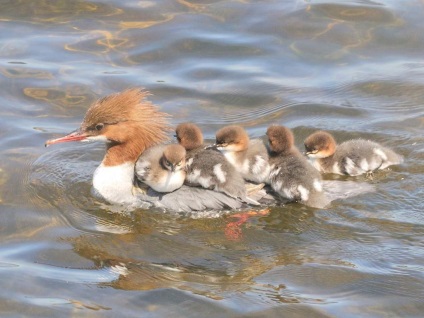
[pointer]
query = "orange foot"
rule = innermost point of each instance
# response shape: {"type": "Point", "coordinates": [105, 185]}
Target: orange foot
{"type": "Point", "coordinates": [233, 229]}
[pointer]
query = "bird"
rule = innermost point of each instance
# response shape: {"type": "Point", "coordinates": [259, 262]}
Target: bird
{"type": "Point", "coordinates": [291, 175]}
{"type": "Point", "coordinates": [162, 167]}
{"type": "Point", "coordinates": [129, 124]}
{"type": "Point", "coordinates": [353, 157]}
{"type": "Point", "coordinates": [208, 168]}
{"type": "Point", "coordinates": [249, 157]}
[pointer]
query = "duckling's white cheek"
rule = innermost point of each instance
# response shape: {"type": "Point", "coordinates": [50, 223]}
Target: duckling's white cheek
{"type": "Point", "coordinates": [313, 155]}
{"type": "Point", "coordinates": [318, 155]}
{"type": "Point", "coordinates": [231, 147]}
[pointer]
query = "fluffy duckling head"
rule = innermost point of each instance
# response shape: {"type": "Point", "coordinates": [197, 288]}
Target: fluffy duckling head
{"type": "Point", "coordinates": [232, 138]}
{"type": "Point", "coordinates": [173, 158]}
{"type": "Point", "coordinates": [280, 139]}
{"type": "Point", "coordinates": [320, 144]}
{"type": "Point", "coordinates": [189, 136]}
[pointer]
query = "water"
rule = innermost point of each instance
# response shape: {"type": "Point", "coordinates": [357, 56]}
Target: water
{"type": "Point", "coordinates": [354, 68]}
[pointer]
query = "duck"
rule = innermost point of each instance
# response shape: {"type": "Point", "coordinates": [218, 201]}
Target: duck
{"type": "Point", "coordinates": [249, 157]}
{"type": "Point", "coordinates": [162, 167]}
{"type": "Point", "coordinates": [207, 167]}
{"type": "Point", "coordinates": [129, 124]}
{"type": "Point", "coordinates": [291, 175]}
{"type": "Point", "coordinates": [353, 157]}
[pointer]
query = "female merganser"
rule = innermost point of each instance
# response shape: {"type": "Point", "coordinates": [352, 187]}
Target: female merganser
{"type": "Point", "coordinates": [249, 157]}
{"type": "Point", "coordinates": [162, 167]}
{"type": "Point", "coordinates": [209, 168]}
{"type": "Point", "coordinates": [353, 157]}
{"type": "Point", "coordinates": [129, 124]}
{"type": "Point", "coordinates": [291, 175]}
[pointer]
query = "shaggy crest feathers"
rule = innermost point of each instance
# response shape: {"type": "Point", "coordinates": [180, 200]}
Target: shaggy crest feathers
{"type": "Point", "coordinates": [130, 106]}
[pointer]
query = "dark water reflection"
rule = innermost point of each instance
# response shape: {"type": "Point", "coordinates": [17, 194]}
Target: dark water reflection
{"type": "Point", "coordinates": [352, 67]}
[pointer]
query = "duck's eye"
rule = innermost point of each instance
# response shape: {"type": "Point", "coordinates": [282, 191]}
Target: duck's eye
{"type": "Point", "coordinates": [99, 127]}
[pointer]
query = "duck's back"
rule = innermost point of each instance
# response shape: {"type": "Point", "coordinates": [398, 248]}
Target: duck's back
{"type": "Point", "coordinates": [191, 199]}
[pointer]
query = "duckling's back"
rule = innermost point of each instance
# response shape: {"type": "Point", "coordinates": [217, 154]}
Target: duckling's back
{"type": "Point", "coordinates": [359, 156]}
{"type": "Point", "coordinates": [294, 178]}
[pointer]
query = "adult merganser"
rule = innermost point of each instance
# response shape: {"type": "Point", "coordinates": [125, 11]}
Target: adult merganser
{"type": "Point", "coordinates": [162, 167]}
{"type": "Point", "coordinates": [353, 157]}
{"type": "Point", "coordinates": [249, 157]}
{"type": "Point", "coordinates": [209, 168]}
{"type": "Point", "coordinates": [291, 175]}
{"type": "Point", "coordinates": [129, 124]}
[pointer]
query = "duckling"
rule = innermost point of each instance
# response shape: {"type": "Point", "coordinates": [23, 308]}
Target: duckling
{"type": "Point", "coordinates": [291, 175]}
{"type": "Point", "coordinates": [208, 168]}
{"type": "Point", "coordinates": [353, 157]}
{"type": "Point", "coordinates": [162, 167]}
{"type": "Point", "coordinates": [249, 157]}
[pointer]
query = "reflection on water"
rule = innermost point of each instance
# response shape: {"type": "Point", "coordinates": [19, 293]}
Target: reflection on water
{"type": "Point", "coordinates": [353, 67]}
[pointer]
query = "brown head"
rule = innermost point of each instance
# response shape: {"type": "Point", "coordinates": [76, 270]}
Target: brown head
{"type": "Point", "coordinates": [320, 144]}
{"type": "Point", "coordinates": [173, 158]}
{"type": "Point", "coordinates": [232, 138]}
{"type": "Point", "coordinates": [189, 136]}
{"type": "Point", "coordinates": [280, 138]}
{"type": "Point", "coordinates": [126, 121]}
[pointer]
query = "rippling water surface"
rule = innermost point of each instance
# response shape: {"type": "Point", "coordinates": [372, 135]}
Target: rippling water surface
{"type": "Point", "coordinates": [355, 68]}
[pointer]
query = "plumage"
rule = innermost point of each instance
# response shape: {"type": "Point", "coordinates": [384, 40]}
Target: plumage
{"type": "Point", "coordinates": [291, 175]}
{"type": "Point", "coordinates": [208, 168]}
{"type": "Point", "coordinates": [129, 125]}
{"type": "Point", "coordinates": [249, 157]}
{"type": "Point", "coordinates": [353, 157]}
{"type": "Point", "coordinates": [162, 167]}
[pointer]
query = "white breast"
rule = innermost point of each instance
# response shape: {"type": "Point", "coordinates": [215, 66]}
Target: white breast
{"type": "Point", "coordinates": [115, 183]}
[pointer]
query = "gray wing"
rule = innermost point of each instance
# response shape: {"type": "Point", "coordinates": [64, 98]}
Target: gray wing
{"type": "Point", "coordinates": [188, 199]}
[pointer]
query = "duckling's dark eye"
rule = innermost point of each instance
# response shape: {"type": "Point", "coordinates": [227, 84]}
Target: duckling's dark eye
{"type": "Point", "coordinates": [99, 127]}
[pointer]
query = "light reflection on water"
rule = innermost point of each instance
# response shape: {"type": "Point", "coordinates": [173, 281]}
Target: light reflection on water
{"type": "Point", "coordinates": [352, 67]}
